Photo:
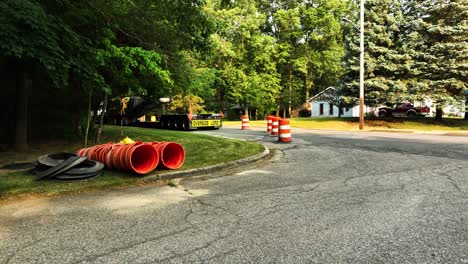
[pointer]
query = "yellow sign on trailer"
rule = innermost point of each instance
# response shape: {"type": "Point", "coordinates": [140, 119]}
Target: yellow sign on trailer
{"type": "Point", "coordinates": [206, 123]}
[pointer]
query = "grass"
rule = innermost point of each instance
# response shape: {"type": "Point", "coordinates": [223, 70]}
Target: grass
{"type": "Point", "coordinates": [420, 124]}
{"type": "Point", "coordinates": [201, 150]}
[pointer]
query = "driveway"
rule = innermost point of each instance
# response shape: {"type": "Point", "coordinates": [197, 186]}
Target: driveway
{"type": "Point", "coordinates": [327, 197]}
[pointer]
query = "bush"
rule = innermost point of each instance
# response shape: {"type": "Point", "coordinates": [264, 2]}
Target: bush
{"type": "Point", "coordinates": [304, 113]}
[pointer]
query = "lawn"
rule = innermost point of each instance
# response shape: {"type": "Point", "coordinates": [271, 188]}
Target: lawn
{"type": "Point", "coordinates": [420, 124]}
{"type": "Point", "coordinates": [201, 150]}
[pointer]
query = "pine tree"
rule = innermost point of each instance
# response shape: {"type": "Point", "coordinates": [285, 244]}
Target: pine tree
{"type": "Point", "coordinates": [439, 47]}
{"type": "Point", "coordinates": [386, 64]}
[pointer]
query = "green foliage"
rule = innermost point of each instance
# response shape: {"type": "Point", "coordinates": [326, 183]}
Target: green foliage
{"type": "Point", "coordinates": [386, 64]}
{"type": "Point", "coordinates": [187, 104]}
{"type": "Point", "coordinates": [244, 57]}
{"type": "Point", "coordinates": [32, 36]}
{"type": "Point", "coordinates": [439, 47]}
{"type": "Point", "coordinates": [414, 50]}
{"type": "Point", "coordinates": [133, 68]}
{"type": "Point", "coordinates": [309, 44]}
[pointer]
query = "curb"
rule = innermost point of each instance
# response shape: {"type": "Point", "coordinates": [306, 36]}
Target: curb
{"type": "Point", "coordinates": [208, 169]}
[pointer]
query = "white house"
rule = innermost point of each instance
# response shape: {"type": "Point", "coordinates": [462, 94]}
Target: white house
{"type": "Point", "coordinates": [321, 106]}
{"type": "Point", "coordinates": [457, 109]}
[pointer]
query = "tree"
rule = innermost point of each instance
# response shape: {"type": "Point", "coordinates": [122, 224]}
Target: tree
{"type": "Point", "coordinates": [322, 43]}
{"type": "Point", "coordinates": [386, 62]}
{"type": "Point", "coordinates": [243, 56]}
{"type": "Point", "coordinates": [288, 32]}
{"type": "Point", "coordinates": [438, 31]}
{"type": "Point", "coordinates": [97, 49]}
{"type": "Point", "coordinates": [309, 45]}
{"type": "Point", "coordinates": [36, 43]}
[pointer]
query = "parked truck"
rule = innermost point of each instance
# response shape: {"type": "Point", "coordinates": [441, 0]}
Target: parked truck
{"type": "Point", "coordinates": [403, 110]}
{"type": "Point", "coordinates": [184, 122]}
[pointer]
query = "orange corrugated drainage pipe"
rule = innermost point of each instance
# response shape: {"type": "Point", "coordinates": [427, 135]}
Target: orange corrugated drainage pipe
{"type": "Point", "coordinates": [269, 123]}
{"type": "Point", "coordinates": [274, 126]}
{"type": "Point", "coordinates": [109, 161]}
{"type": "Point", "coordinates": [171, 154]}
{"type": "Point", "coordinates": [104, 151]}
{"type": "Point", "coordinates": [245, 122]}
{"type": "Point", "coordinates": [284, 131]}
{"type": "Point", "coordinates": [137, 157]}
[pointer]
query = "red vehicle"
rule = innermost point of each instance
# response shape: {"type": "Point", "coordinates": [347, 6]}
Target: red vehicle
{"type": "Point", "coordinates": [403, 110]}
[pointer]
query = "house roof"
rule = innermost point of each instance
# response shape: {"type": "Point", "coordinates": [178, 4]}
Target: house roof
{"type": "Point", "coordinates": [329, 92]}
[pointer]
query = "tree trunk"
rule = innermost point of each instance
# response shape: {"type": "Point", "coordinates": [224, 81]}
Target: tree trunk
{"type": "Point", "coordinates": [95, 114]}
{"type": "Point", "coordinates": [308, 85]}
{"type": "Point", "coordinates": [466, 109]}
{"type": "Point", "coordinates": [101, 120]}
{"type": "Point", "coordinates": [278, 110]}
{"type": "Point", "coordinates": [246, 111]}
{"type": "Point", "coordinates": [22, 100]}
{"type": "Point", "coordinates": [438, 115]}
{"type": "Point", "coordinates": [290, 94]}
{"type": "Point", "coordinates": [88, 119]}
{"type": "Point", "coordinates": [218, 99]}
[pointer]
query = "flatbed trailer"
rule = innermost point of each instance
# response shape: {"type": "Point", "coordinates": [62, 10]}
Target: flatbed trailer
{"type": "Point", "coordinates": [184, 122]}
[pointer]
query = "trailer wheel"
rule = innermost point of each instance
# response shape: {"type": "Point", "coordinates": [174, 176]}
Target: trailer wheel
{"type": "Point", "coordinates": [172, 124]}
{"type": "Point", "coordinates": [180, 124]}
{"type": "Point", "coordinates": [186, 125]}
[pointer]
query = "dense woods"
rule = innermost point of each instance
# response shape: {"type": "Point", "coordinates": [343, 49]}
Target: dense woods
{"type": "Point", "coordinates": [61, 62]}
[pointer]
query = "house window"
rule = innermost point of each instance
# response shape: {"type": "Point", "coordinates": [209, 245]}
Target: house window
{"type": "Point", "coordinates": [330, 111]}
{"type": "Point", "coordinates": [321, 109]}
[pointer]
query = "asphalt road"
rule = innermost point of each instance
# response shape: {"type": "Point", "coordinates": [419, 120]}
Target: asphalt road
{"type": "Point", "coordinates": [328, 197]}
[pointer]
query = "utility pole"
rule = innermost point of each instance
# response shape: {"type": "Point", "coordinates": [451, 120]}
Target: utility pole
{"type": "Point", "coordinates": [361, 68]}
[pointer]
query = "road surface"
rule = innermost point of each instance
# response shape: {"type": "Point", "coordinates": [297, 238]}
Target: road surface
{"type": "Point", "coordinates": [327, 197]}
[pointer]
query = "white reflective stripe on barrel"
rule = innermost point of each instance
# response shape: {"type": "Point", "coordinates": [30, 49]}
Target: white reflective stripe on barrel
{"type": "Point", "coordinates": [288, 135]}
{"type": "Point", "coordinates": [285, 127]}
{"type": "Point", "coordinates": [245, 120]}
{"type": "Point", "coordinates": [275, 130]}
{"type": "Point", "coordinates": [269, 121]}
{"type": "Point", "coordinates": [269, 127]}
{"type": "Point", "coordinates": [245, 125]}
{"type": "Point", "coordinates": [275, 123]}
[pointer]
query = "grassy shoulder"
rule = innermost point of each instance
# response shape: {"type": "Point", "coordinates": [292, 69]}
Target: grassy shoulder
{"type": "Point", "coordinates": [420, 124]}
{"type": "Point", "coordinates": [201, 150]}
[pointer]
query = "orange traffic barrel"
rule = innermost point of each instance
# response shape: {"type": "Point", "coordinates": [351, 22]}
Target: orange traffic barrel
{"type": "Point", "coordinates": [245, 122]}
{"type": "Point", "coordinates": [274, 125]}
{"type": "Point", "coordinates": [284, 131]}
{"type": "Point", "coordinates": [269, 123]}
